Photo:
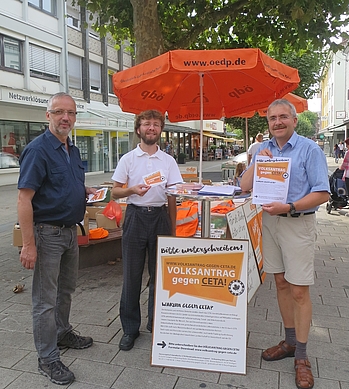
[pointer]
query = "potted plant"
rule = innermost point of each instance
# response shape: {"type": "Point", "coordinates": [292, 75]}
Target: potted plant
{"type": "Point", "coordinates": [181, 158]}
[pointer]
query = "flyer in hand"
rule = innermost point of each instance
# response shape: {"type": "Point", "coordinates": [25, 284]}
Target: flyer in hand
{"type": "Point", "coordinates": [100, 195]}
{"type": "Point", "coordinates": [271, 179]}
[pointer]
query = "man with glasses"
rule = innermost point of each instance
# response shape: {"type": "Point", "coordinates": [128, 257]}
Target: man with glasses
{"type": "Point", "coordinates": [146, 217]}
{"type": "Point", "coordinates": [289, 233]}
{"type": "Point", "coordinates": [51, 201]}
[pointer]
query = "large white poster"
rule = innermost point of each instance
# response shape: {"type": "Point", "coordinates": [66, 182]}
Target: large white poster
{"type": "Point", "coordinates": [201, 304]}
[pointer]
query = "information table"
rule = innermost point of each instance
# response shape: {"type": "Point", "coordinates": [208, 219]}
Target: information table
{"type": "Point", "coordinates": [205, 206]}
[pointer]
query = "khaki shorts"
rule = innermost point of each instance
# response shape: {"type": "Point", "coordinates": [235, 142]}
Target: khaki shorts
{"type": "Point", "coordinates": [288, 247]}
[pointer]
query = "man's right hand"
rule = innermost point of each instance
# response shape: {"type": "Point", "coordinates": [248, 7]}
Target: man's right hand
{"type": "Point", "coordinates": [28, 256]}
{"type": "Point", "coordinates": [266, 153]}
{"type": "Point", "coordinates": [141, 189]}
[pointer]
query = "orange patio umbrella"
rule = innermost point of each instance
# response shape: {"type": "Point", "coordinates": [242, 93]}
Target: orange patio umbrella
{"type": "Point", "coordinates": [204, 84]}
{"type": "Point", "coordinates": [299, 103]}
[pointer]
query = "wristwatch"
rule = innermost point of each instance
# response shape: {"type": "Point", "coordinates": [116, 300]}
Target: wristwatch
{"type": "Point", "coordinates": [292, 208]}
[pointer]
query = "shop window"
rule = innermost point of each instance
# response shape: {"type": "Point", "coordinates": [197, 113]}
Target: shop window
{"type": "Point", "coordinates": [95, 77]}
{"type": "Point", "coordinates": [36, 129]}
{"type": "Point", "coordinates": [74, 71]}
{"type": "Point", "coordinates": [44, 63]}
{"type": "Point", "coordinates": [10, 53]}
{"type": "Point", "coordinates": [12, 142]}
{"type": "Point", "coordinates": [48, 6]}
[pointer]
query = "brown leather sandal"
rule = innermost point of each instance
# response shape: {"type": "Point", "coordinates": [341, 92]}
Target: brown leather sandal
{"type": "Point", "coordinates": [280, 351]}
{"type": "Point", "coordinates": [304, 376]}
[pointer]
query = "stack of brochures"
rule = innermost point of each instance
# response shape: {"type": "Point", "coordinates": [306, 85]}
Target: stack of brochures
{"type": "Point", "coordinates": [219, 190]}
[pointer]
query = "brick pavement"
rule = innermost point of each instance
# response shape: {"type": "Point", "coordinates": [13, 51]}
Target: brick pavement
{"type": "Point", "coordinates": [95, 313]}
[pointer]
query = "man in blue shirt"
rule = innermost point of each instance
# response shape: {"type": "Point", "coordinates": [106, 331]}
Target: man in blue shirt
{"type": "Point", "coordinates": [289, 233]}
{"type": "Point", "coordinates": [51, 200]}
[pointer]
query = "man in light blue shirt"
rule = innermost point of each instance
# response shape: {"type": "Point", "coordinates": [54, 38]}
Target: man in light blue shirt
{"type": "Point", "coordinates": [289, 233]}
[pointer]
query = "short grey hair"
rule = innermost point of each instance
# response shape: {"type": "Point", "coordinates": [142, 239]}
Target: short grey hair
{"type": "Point", "coordinates": [283, 102]}
{"type": "Point", "coordinates": [55, 96]}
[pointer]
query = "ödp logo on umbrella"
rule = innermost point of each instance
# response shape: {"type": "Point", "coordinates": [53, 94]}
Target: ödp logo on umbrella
{"type": "Point", "coordinates": [152, 95]}
{"type": "Point", "coordinates": [237, 92]}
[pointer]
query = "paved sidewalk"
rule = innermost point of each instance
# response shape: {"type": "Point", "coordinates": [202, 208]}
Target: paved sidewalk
{"type": "Point", "coordinates": [95, 312]}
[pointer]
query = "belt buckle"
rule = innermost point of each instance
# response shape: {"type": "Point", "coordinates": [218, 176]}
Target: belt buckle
{"type": "Point", "coordinates": [149, 208]}
{"type": "Point", "coordinates": [295, 215]}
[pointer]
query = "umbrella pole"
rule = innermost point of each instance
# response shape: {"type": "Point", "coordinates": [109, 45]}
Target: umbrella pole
{"type": "Point", "coordinates": [246, 133]}
{"type": "Point", "coordinates": [201, 75]}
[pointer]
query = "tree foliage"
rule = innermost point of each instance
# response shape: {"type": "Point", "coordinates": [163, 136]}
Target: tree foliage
{"type": "Point", "coordinates": [211, 24]}
{"type": "Point", "coordinates": [307, 124]}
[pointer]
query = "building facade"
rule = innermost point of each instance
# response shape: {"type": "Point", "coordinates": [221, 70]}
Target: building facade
{"type": "Point", "coordinates": [334, 101]}
{"type": "Point", "coordinates": [48, 47]}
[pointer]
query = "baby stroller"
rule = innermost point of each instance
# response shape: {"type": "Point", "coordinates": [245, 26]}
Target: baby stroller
{"type": "Point", "coordinates": [339, 196]}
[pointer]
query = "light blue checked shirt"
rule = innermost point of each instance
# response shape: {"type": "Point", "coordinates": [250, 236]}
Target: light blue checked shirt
{"type": "Point", "coordinates": [309, 171]}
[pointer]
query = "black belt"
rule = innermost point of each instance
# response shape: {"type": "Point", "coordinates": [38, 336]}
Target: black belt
{"type": "Point", "coordinates": [296, 214]}
{"type": "Point", "coordinates": [57, 224]}
{"type": "Point", "coordinates": [149, 208]}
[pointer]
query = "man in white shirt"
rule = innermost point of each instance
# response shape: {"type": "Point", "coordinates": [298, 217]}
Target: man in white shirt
{"type": "Point", "coordinates": [254, 147]}
{"type": "Point", "coordinates": [341, 149]}
{"type": "Point", "coordinates": [146, 217]}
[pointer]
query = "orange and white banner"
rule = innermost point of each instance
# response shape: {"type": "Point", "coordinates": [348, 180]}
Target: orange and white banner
{"type": "Point", "coordinates": [201, 304]}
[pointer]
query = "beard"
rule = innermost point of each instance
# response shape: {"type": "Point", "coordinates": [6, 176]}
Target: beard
{"type": "Point", "coordinates": [149, 141]}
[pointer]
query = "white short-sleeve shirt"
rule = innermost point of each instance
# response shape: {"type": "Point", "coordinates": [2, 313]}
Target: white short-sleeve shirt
{"type": "Point", "coordinates": [136, 164]}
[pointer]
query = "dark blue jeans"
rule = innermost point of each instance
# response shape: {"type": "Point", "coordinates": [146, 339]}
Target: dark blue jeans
{"type": "Point", "coordinates": [54, 281]}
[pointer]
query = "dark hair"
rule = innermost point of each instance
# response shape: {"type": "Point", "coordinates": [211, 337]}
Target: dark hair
{"type": "Point", "coordinates": [146, 115]}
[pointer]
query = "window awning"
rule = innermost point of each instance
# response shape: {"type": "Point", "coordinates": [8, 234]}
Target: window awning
{"type": "Point", "coordinates": [211, 135]}
{"type": "Point", "coordinates": [175, 128]}
{"type": "Point", "coordinates": [111, 120]}
{"type": "Point", "coordinates": [105, 120]}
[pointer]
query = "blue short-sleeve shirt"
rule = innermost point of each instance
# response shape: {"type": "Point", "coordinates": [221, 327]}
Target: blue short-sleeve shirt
{"type": "Point", "coordinates": [57, 179]}
{"type": "Point", "coordinates": [309, 171]}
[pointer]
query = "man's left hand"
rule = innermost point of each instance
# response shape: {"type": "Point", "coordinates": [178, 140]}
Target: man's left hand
{"type": "Point", "coordinates": [89, 190]}
{"type": "Point", "coordinates": [275, 208]}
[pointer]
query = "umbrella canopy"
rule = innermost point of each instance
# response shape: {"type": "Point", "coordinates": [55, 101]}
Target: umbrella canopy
{"type": "Point", "coordinates": [299, 103]}
{"type": "Point", "coordinates": [204, 84]}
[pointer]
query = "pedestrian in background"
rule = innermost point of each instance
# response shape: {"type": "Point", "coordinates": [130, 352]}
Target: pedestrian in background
{"type": "Point", "coordinates": [341, 149]}
{"type": "Point", "coordinates": [146, 217]}
{"type": "Point", "coordinates": [51, 201]}
{"type": "Point", "coordinates": [345, 166]}
{"type": "Point", "coordinates": [289, 233]}
{"type": "Point", "coordinates": [254, 147]}
{"type": "Point", "coordinates": [240, 168]}
{"type": "Point", "coordinates": [336, 152]}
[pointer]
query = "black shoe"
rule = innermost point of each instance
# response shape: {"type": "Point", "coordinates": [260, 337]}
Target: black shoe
{"type": "Point", "coordinates": [56, 372]}
{"type": "Point", "coordinates": [73, 340]}
{"type": "Point", "coordinates": [150, 327]}
{"type": "Point", "coordinates": [127, 341]}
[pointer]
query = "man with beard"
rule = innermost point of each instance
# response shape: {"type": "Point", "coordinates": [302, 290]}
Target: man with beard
{"type": "Point", "coordinates": [289, 233]}
{"type": "Point", "coordinates": [146, 217]}
{"type": "Point", "coordinates": [51, 200]}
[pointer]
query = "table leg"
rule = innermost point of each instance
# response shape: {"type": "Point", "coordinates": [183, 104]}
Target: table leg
{"type": "Point", "coordinates": [205, 219]}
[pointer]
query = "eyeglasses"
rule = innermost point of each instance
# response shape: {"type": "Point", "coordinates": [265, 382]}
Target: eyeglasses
{"type": "Point", "coordinates": [62, 112]}
{"type": "Point", "coordinates": [282, 118]}
{"type": "Point", "coordinates": [149, 124]}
